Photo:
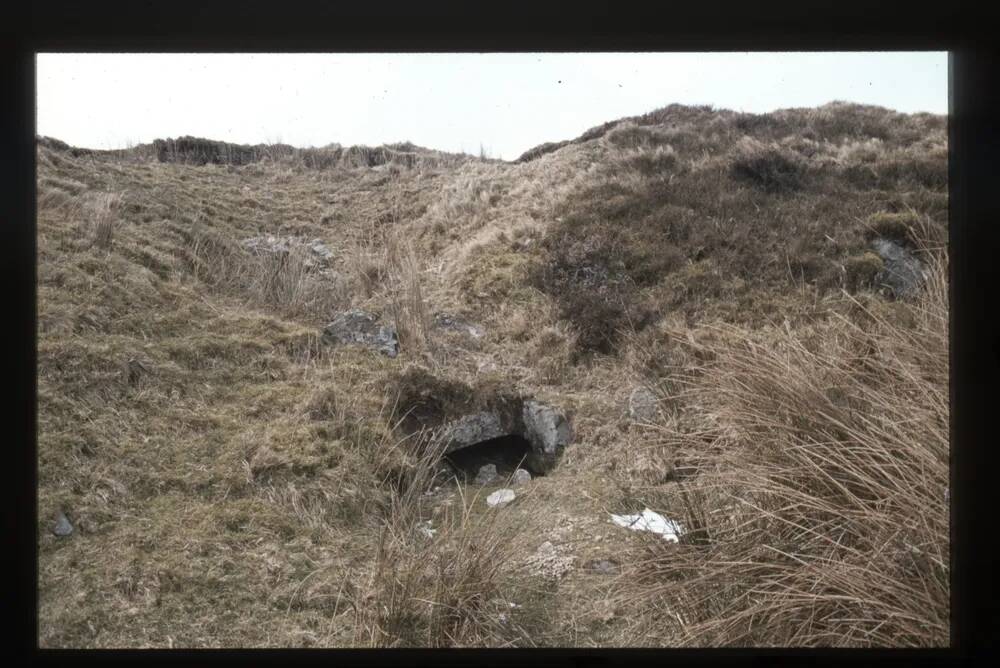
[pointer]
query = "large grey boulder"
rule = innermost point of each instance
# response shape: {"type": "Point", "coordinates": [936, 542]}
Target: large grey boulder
{"type": "Point", "coordinates": [360, 327]}
{"type": "Point", "coordinates": [903, 273]}
{"type": "Point", "coordinates": [548, 432]}
{"type": "Point", "coordinates": [544, 427]}
{"type": "Point", "coordinates": [474, 428]}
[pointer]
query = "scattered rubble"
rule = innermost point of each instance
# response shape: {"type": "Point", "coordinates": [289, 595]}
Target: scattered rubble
{"type": "Point", "coordinates": [274, 244]}
{"type": "Point", "coordinates": [550, 562]}
{"type": "Point", "coordinates": [360, 327]}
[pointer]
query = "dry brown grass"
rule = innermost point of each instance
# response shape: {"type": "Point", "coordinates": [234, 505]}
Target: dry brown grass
{"type": "Point", "coordinates": [100, 219]}
{"type": "Point", "coordinates": [440, 587]}
{"type": "Point", "coordinates": [288, 280]}
{"type": "Point", "coordinates": [247, 484]}
{"type": "Point", "coordinates": [819, 516]}
{"type": "Point", "coordinates": [406, 300]}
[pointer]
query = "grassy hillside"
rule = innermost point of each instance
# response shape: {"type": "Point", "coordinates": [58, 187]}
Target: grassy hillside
{"type": "Point", "coordinates": [233, 480]}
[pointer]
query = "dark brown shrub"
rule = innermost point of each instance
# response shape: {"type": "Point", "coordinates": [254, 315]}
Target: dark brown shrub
{"type": "Point", "coordinates": [769, 168]}
{"type": "Point", "coordinates": [860, 271]}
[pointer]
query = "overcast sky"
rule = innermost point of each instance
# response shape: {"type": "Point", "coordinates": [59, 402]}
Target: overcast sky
{"type": "Point", "coordinates": [508, 103]}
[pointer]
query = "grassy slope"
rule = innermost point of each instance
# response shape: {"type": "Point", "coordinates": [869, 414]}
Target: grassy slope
{"type": "Point", "coordinates": [238, 492]}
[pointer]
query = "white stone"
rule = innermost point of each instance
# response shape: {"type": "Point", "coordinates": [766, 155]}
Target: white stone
{"type": "Point", "coordinates": [426, 529]}
{"type": "Point", "coordinates": [500, 497]}
{"type": "Point", "coordinates": [520, 477]}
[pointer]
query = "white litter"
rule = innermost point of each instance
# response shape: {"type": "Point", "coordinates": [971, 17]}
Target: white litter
{"type": "Point", "coordinates": [647, 520]}
{"type": "Point", "coordinates": [425, 528]}
{"type": "Point", "coordinates": [500, 497]}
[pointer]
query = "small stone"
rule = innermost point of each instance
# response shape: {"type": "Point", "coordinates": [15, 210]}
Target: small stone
{"type": "Point", "coordinates": [520, 477]}
{"type": "Point", "coordinates": [500, 497]}
{"type": "Point", "coordinates": [487, 474]}
{"type": "Point", "coordinates": [427, 529]}
{"type": "Point", "coordinates": [604, 566]}
{"type": "Point", "coordinates": [62, 526]}
{"type": "Point", "coordinates": [643, 405]}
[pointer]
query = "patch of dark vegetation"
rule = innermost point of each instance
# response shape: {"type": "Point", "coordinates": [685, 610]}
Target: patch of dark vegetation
{"type": "Point", "coordinates": [770, 168]}
{"type": "Point", "coordinates": [61, 146]}
{"type": "Point", "coordinates": [426, 401]}
{"type": "Point", "coordinates": [600, 256]}
{"type": "Point", "coordinates": [197, 151]}
{"type": "Point", "coordinates": [681, 237]}
{"type": "Point", "coordinates": [540, 150]}
{"type": "Point", "coordinates": [860, 271]}
{"type": "Point", "coordinates": [897, 226]}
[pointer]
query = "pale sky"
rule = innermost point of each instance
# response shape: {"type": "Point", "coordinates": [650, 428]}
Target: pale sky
{"type": "Point", "coordinates": [505, 102]}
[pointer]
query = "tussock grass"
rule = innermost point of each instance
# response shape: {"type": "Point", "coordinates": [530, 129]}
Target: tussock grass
{"type": "Point", "coordinates": [289, 279]}
{"type": "Point", "coordinates": [407, 302]}
{"type": "Point", "coordinates": [819, 516]}
{"type": "Point", "coordinates": [100, 219]}
{"type": "Point", "coordinates": [440, 589]}
{"type": "Point", "coordinates": [769, 167]}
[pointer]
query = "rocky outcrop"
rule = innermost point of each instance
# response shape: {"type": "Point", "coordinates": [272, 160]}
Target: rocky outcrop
{"type": "Point", "coordinates": [548, 432]}
{"type": "Point", "coordinates": [475, 428]}
{"type": "Point", "coordinates": [273, 244]}
{"type": "Point", "coordinates": [544, 427]}
{"type": "Point", "coordinates": [361, 328]}
{"type": "Point", "coordinates": [902, 274]}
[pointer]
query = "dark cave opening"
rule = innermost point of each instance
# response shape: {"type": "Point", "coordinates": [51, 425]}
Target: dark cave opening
{"type": "Point", "coordinates": [507, 453]}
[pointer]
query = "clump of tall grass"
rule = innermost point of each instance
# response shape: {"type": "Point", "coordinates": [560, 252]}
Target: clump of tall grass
{"type": "Point", "coordinates": [100, 216]}
{"type": "Point", "coordinates": [435, 587]}
{"type": "Point", "coordinates": [409, 309]}
{"type": "Point", "coordinates": [820, 510]}
{"type": "Point", "coordinates": [289, 279]}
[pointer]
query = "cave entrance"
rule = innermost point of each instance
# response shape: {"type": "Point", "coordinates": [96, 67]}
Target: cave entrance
{"type": "Point", "coordinates": [507, 453]}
